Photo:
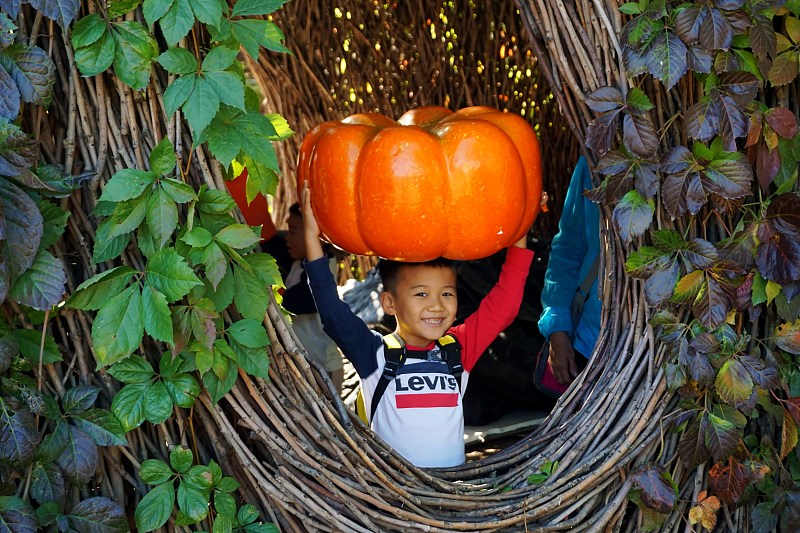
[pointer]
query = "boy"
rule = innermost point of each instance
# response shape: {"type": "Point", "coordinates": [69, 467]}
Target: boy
{"type": "Point", "coordinates": [297, 299]}
{"type": "Point", "coordinates": [420, 413]}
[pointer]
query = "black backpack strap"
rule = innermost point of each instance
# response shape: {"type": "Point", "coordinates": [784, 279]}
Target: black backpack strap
{"type": "Point", "coordinates": [451, 354]}
{"type": "Point", "coordinates": [394, 351]}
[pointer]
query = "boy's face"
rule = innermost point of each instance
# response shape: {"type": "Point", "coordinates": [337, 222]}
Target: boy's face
{"type": "Point", "coordinates": [295, 241]}
{"type": "Point", "coordinates": [424, 303]}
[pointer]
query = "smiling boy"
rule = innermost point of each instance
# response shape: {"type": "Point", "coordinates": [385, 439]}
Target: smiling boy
{"type": "Point", "coordinates": [416, 406]}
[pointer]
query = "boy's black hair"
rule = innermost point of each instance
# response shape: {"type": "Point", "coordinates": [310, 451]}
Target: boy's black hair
{"type": "Point", "coordinates": [294, 209]}
{"type": "Point", "coordinates": [389, 271]}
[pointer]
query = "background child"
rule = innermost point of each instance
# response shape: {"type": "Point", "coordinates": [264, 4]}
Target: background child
{"type": "Point", "coordinates": [297, 299]}
{"type": "Point", "coordinates": [421, 412]}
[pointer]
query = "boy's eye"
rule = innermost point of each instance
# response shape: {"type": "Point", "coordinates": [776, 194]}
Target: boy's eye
{"type": "Point", "coordinates": [422, 294]}
{"type": "Point", "coordinates": [448, 294]}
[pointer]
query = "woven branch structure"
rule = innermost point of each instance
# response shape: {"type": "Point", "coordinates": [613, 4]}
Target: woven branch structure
{"type": "Point", "coordinates": [300, 456]}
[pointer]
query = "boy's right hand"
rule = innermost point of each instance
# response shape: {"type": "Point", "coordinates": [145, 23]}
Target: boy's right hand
{"type": "Point", "coordinates": [562, 358]}
{"type": "Point", "coordinates": [310, 227]}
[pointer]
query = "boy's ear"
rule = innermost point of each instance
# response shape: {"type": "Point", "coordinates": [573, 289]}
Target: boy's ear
{"type": "Point", "coordinates": [387, 303]}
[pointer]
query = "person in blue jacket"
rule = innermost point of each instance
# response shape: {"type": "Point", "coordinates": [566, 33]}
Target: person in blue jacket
{"type": "Point", "coordinates": [573, 258]}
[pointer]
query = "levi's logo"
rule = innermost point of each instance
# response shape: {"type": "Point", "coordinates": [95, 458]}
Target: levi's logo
{"type": "Point", "coordinates": [420, 383]}
{"type": "Point", "coordinates": [426, 391]}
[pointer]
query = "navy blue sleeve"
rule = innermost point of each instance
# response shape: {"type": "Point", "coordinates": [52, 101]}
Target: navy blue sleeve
{"type": "Point", "coordinates": [357, 342]}
{"type": "Point", "coordinates": [298, 299]}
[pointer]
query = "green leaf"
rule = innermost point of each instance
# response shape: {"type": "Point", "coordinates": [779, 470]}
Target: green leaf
{"type": "Point", "coordinates": [254, 361]}
{"type": "Point", "coordinates": [215, 202]}
{"type": "Point", "coordinates": [155, 508]}
{"type": "Point", "coordinates": [202, 104]}
{"type": "Point", "coordinates": [216, 264]}
{"type": "Point", "coordinates": [238, 236]}
{"type": "Point", "coordinates": [722, 438]}
{"type": "Point", "coordinates": [688, 287]}
{"type": "Point", "coordinates": [42, 285]}
{"type": "Point", "coordinates": [219, 58]}
{"type": "Point", "coordinates": [127, 184]}
{"type": "Point", "coordinates": [227, 484]}
{"type": "Point", "coordinates": [155, 472]}
{"type": "Point", "coordinates": [265, 268]}
{"type": "Point", "coordinates": [261, 179]}
{"type": "Point", "coordinates": [88, 30]}
{"type": "Point", "coordinates": [249, 333]}
{"type": "Point", "coordinates": [155, 9]}
{"type": "Point", "coordinates": [105, 246]}
{"type": "Point", "coordinates": [734, 384]}
{"type": "Point", "coordinates": [117, 8]}
{"type": "Point", "coordinates": [97, 57]}
{"type": "Point", "coordinates": [250, 295]}
{"type": "Point", "coordinates": [156, 315]}
{"type": "Point", "coordinates": [198, 237]}
{"type": "Point", "coordinates": [632, 215]}
{"type": "Point", "coordinates": [134, 369]}
{"type": "Point", "coordinates": [178, 191]}
{"type": "Point", "coordinates": [128, 405]}
{"type": "Point", "coordinates": [162, 158]}
{"type": "Point", "coordinates": [135, 52]}
{"type": "Point", "coordinates": [54, 220]}
{"type": "Point", "coordinates": [168, 272]}
{"type": "Point", "coordinates": [204, 357]}
{"type": "Point", "coordinates": [183, 389]}
{"type": "Point", "coordinates": [79, 399]}
{"type": "Point", "coordinates": [222, 296]}
{"type": "Point", "coordinates": [181, 458]}
{"type": "Point", "coordinates": [128, 216]}
{"type": "Point", "coordinates": [162, 217]}
{"type": "Point", "coordinates": [233, 131]}
{"type": "Point", "coordinates": [29, 340]}
{"type": "Point", "coordinates": [158, 404]}
{"type": "Point", "coordinates": [246, 8]}
{"type": "Point", "coordinates": [228, 87]}
{"type": "Point", "coordinates": [207, 11]}
{"type": "Point", "coordinates": [177, 21]}
{"type": "Point", "coordinates": [178, 93]}
{"type": "Point", "coordinates": [102, 427]}
{"type": "Point", "coordinates": [282, 128]}
{"type": "Point", "coordinates": [638, 100]}
{"type": "Point", "coordinates": [218, 387]}
{"type": "Point", "coordinates": [178, 61]}
{"type": "Point", "coordinates": [646, 261]}
{"type": "Point", "coordinates": [247, 514]}
{"type": "Point", "coordinates": [631, 8]}
{"type": "Point", "coordinates": [118, 327]}
{"type": "Point", "coordinates": [192, 502]}
{"type": "Point", "coordinates": [224, 504]}
{"type": "Point", "coordinates": [18, 152]}
{"type": "Point", "coordinates": [98, 290]}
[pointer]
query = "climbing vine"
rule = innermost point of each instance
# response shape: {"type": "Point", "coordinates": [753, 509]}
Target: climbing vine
{"type": "Point", "coordinates": [718, 180]}
{"type": "Point", "coordinates": [199, 294]}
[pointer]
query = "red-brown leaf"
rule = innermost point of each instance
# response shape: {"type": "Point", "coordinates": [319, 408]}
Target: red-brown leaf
{"type": "Point", "coordinates": [728, 482]}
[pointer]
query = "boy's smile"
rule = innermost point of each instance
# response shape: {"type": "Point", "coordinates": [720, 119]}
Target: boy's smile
{"type": "Point", "coordinates": [424, 303]}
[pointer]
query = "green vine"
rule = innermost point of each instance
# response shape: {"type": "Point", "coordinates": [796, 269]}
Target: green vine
{"type": "Point", "coordinates": [202, 291]}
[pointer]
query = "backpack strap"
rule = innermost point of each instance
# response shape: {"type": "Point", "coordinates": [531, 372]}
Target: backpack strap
{"type": "Point", "coordinates": [451, 354]}
{"type": "Point", "coordinates": [394, 352]}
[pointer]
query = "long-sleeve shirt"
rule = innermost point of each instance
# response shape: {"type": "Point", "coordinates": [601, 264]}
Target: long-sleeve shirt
{"type": "Point", "coordinates": [572, 255]}
{"type": "Point", "coordinates": [421, 414]}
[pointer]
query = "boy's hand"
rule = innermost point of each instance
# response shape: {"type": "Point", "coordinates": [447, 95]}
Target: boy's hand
{"type": "Point", "coordinates": [562, 358]}
{"type": "Point", "coordinates": [310, 227]}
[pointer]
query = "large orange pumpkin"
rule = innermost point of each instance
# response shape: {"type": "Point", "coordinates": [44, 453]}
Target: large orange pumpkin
{"type": "Point", "coordinates": [433, 184]}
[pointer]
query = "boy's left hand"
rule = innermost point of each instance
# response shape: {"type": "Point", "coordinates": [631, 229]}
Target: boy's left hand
{"type": "Point", "coordinates": [310, 227]}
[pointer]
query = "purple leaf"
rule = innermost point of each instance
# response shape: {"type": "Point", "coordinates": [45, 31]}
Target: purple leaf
{"type": "Point", "coordinates": [784, 213]}
{"type": "Point", "coordinates": [677, 159]}
{"type": "Point", "coordinates": [601, 132]}
{"type": "Point", "coordinates": [658, 493]}
{"type": "Point", "coordinates": [688, 21]}
{"type": "Point", "coordinates": [726, 61]}
{"type": "Point", "coordinates": [98, 515]}
{"type": "Point", "coordinates": [604, 99]}
{"type": "Point", "coordinates": [639, 135]}
{"type": "Point", "coordinates": [17, 151]}
{"type": "Point", "coordinates": [778, 258]}
{"type": "Point", "coordinates": [661, 285]}
{"type": "Point", "coordinates": [733, 123]}
{"type": "Point", "coordinates": [18, 435]}
{"type": "Point", "coordinates": [692, 445]}
{"type": "Point", "coordinates": [62, 11]}
{"type": "Point", "coordinates": [11, 7]}
{"type": "Point", "coordinates": [23, 228]}
{"type": "Point", "coordinates": [729, 5]}
{"type": "Point", "coordinates": [716, 32]}
{"type": "Point", "coordinates": [47, 483]}
{"type": "Point", "coordinates": [741, 86]}
{"type": "Point", "coordinates": [705, 343]}
{"type": "Point", "coordinates": [699, 254]}
{"type": "Point", "coordinates": [42, 285]}
{"type": "Point", "coordinates": [32, 70]}
{"type": "Point", "coordinates": [617, 187]}
{"type": "Point", "coordinates": [700, 60]}
{"type": "Point", "coordinates": [768, 163]}
{"type": "Point", "coordinates": [702, 119]}
{"type": "Point", "coordinates": [79, 459]}
{"type": "Point", "coordinates": [765, 376]}
{"type": "Point", "coordinates": [713, 303]}
{"type": "Point", "coordinates": [9, 105]}
{"type": "Point", "coordinates": [782, 121]}
{"type": "Point", "coordinates": [635, 61]}
{"type": "Point", "coordinates": [646, 181]}
{"type": "Point", "coordinates": [721, 437]}
{"type": "Point", "coordinates": [762, 37]}
{"type": "Point", "coordinates": [666, 58]}
{"type": "Point", "coordinates": [681, 193]}
{"type": "Point", "coordinates": [729, 178]}
{"type": "Point", "coordinates": [613, 163]}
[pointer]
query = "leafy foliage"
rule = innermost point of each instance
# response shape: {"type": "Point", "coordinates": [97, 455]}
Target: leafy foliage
{"type": "Point", "coordinates": [726, 164]}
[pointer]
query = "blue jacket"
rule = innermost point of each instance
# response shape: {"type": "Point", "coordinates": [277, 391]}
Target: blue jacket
{"type": "Point", "coordinates": [572, 254]}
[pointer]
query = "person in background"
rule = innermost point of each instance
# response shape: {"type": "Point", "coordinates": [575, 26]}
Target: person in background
{"type": "Point", "coordinates": [297, 299]}
{"type": "Point", "coordinates": [572, 266]}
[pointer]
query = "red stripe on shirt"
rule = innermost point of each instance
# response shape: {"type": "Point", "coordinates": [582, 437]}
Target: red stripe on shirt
{"type": "Point", "coordinates": [412, 401]}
